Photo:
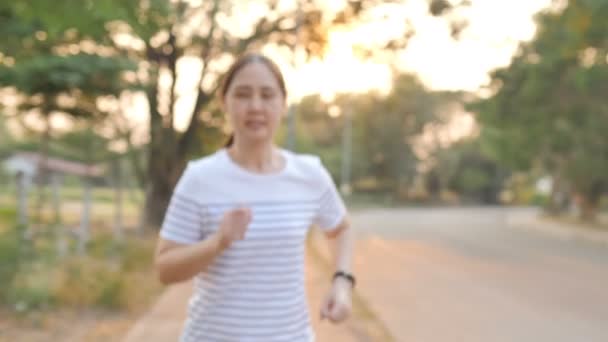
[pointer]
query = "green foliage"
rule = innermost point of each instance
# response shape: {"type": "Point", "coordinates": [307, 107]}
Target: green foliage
{"type": "Point", "coordinates": [31, 288]}
{"type": "Point", "coordinates": [52, 74]}
{"type": "Point", "coordinates": [11, 259]}
{"type": "Point", "coordinates": [82, 145]}
{"type": "Point", "coordinates": [87, 20]}
{"type": "Point", "coordinates": [8, 216]}
{"type": "Point", "coordinates": [87, 282]}
{"type": "Point", "coordinates": [539, 200]}
{"type": "Point", "coordinates": [61, 63]}
{"type": "Point", "coordinates": [16, 256]}
{"type": "Point", "coordinates": [137, 255]}
{"type": "Point", "coordinates": [464, 168]}
{"type": "Point", "coordinates": [471, 180]}
{"type": "Point", "coordinates": [550, 108]}
{"type": "Point", "coordinates": [39, 33]}
{"type": "Point", "coordinates": [6, 137]}
{"type": "Point", "coordinates": [383, 130]}
{"type": "Point", "coordinates": [113, 275]}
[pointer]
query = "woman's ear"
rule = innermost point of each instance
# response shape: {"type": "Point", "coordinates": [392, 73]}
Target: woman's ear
{"type": "Point", "coordinates": [222, 104]}
{"type": "Point", "coordinates": [285, 109]}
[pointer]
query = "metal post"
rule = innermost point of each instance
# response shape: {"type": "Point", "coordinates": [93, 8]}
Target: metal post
{"type": "Point", "coordinates": [118, 205]}
{"type": "Point", "coordinates": [85, 220]}
{"type": "Point", "coordinates": [291, 114]}
{"type": "Point", "coordinates": [56, 197]}
{"type": "Point", "coordinates": [291, 128]}
{"type": "Point", "coordinates": [61, 233]}
{"type": "Point", "coordinates": [347, 140]}
{"type": "Point", "coordinates": [22, 215]}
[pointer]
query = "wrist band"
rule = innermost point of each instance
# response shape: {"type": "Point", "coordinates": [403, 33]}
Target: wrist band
{"type": "Point", "coordinates": [348, 276]}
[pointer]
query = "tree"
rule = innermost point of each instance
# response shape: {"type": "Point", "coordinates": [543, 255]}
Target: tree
{"type": "Point", "coordinates": [167, 37]}
{"type": "Point", "coordinates": [463, 168]}
{"type": "Point", "coordinates": [6, 139]}
{"type": "Point", "coordinates": [549, 109]}
{"type": "Point", "coordinates": [391, 127]}
{"type": "Point", "coordinates": [161, 36]}
{"type": "Point", "coordinates": [215, 41]}
{"type": "Point", "coordinates": [385, 132]}
{"type": "Point", "coordinates": [52, 73]}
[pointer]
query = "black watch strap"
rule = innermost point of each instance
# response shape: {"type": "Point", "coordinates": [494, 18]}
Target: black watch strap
{"type": "Point", "coordinates": [345, 275]}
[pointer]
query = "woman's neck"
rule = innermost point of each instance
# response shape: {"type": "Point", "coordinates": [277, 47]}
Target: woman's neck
{"type": "Point", "coordinates": [262, 158]}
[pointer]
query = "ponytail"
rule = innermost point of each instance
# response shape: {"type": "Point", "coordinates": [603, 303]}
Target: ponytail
{"type": "Point", "coordinates": [230, 141]}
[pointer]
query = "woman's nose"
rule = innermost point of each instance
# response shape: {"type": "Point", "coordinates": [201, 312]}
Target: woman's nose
{"type": "Point", "coordinates": [256, 103]}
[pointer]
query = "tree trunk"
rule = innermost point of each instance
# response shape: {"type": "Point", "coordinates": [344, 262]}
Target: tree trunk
{"type": "Point", "coordinates": [167, 158]}
{"type": "Point", "coordinates": [42, 173]}
{"type": "Point", "coordinates": [589, 200]}
{"type": "Point", "coordinates": [165, 163]}
{"type": "Point", "coordinates": [55, 185]}
{"type": "Point", "coordinates": [22, 212]}
{"type": "Point", "coordinates": [118, 203]}
{"type": "Point", "coordinates": [85, 221]}
{"type": "Point", "coordinates": [559, 198]}
{"type": "Point", "coordinates": [587, 208]}
{"type": "Point", "coordinates": [59, 230]}
{"type": "Point", "coordinates": [164, 170]}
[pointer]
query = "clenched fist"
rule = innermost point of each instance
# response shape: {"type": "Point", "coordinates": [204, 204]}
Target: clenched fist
{"type": "Point", "coordinates": [337, 305]}
{"type": "Point", "coordinates": [233, 226]}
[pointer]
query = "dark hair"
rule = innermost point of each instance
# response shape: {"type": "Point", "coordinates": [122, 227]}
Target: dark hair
{"type": "Point", "coordinates": [240, 63]}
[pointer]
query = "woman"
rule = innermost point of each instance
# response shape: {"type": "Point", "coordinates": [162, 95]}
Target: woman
{"type": "Point", "coordinates": [237, 222]}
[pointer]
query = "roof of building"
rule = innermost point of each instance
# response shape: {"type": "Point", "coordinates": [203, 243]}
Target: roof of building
{"type": "Point", "coordinates": [60, 165]}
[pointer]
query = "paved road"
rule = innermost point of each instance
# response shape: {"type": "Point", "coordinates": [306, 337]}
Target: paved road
{"type": "Point", "coordinates": [468, 275]}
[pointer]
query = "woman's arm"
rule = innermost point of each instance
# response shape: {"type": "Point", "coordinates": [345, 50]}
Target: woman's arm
{"type": "Point", "coordinates": [341, 246]}
{"type": "Point", "coordinates": [177, 262]}
{"type": "Point", "coordinates": [337, 305]}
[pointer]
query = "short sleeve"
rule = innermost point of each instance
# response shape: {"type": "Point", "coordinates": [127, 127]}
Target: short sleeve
{"type": "Point", "coordinates": [331, 210]}
{"type": "Point", "coordinates": [183, 219]}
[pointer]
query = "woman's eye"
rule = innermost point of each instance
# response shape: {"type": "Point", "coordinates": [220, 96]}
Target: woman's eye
{"type": "Point", "coordinates": [267, 96]}
{"type": "Point", "coordinates": [242, 95]}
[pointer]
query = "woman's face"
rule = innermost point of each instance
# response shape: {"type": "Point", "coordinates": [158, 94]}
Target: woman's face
{"type": "Point", "coordinates": [254, 103]}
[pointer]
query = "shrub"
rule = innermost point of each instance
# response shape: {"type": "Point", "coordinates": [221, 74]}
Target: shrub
{"type": "Point", "coordinates": [86, 281]}
{"type": "Point", "coordinates": [10, 251]}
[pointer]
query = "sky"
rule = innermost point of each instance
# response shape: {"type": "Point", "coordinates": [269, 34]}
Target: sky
{"type": "Point", "coordinates": [496, 27]}
{"type": "Point", "coordinates": [495, 30]}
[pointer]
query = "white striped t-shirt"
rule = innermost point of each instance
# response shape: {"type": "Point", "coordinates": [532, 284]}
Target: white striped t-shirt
{"type": "Point", "coordinates": [254, 290]}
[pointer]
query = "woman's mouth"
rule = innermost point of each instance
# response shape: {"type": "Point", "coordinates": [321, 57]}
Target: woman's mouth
{"type": "Point", "coordinates": [253, 124]}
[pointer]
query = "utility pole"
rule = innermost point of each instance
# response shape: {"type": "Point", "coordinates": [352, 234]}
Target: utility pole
{"type": "Point", "coordinates": [347, 152]}
{"type": "Point", "coordinates": [291, 113]}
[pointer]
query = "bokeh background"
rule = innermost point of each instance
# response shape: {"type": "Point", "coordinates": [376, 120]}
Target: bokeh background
{"type": "Point", "coordinates": [446, 124]}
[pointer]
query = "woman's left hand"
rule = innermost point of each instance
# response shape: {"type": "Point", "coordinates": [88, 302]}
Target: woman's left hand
{"type": "Point", "coordinates": [337, 305]}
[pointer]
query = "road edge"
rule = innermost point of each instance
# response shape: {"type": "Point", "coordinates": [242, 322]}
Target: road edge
{"type": "Point", "coordinates": [370, 327]}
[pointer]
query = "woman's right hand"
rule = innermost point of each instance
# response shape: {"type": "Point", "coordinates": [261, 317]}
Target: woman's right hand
{"type": "Point", "coordinates": [234, 226]}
